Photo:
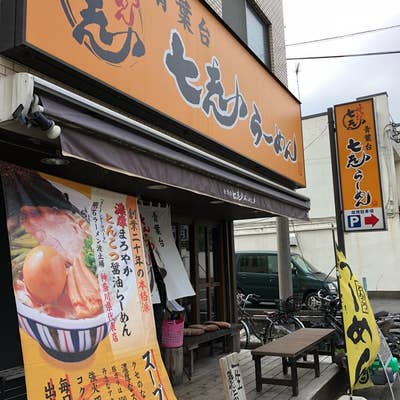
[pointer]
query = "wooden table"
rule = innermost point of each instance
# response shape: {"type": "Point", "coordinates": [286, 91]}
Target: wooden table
{"type": "Point", "coordinates": [292, 347]}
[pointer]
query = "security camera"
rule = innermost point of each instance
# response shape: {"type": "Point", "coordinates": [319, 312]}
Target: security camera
{"type": "Point", "coordinates": [19, 115]}
{"type": "Point", "coordinates": [36, 117]}
{"type": "Point", "coordinates": [41, 120]}
{"type": "Point", "coordinates": [54, 132]}
{"type": "Point", "coordinates": [45, 124]}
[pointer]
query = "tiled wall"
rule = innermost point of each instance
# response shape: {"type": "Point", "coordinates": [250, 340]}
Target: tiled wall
{"type": "Point", "coordinates": [216, 5]}
{"type": "Point", "coordinates": [6, 66]}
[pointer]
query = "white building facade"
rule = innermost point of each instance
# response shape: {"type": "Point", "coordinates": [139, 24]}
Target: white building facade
{"type": "Point", "coordinates": [374, 256]}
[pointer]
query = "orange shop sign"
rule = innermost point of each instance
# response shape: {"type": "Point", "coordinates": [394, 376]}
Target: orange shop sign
{"type": "Point", "coordinates": [359, 166]}
{"type": "Point", "coordinates": [177, 58]}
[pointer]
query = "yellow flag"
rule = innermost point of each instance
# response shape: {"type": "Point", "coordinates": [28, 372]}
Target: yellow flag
{"type": "Point", "coordinates": [359, 325]}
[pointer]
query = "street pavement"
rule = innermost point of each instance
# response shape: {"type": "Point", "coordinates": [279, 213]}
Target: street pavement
{"type": "Point", "coordinates": [390, 305]}
{"type": "Point", "coordinates": [383, 392]}
{"type": "Point", "coordinates": [377, 392]}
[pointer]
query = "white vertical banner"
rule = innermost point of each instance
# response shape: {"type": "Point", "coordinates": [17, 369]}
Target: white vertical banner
{"type": "Point", "coordinates": [157, 230]}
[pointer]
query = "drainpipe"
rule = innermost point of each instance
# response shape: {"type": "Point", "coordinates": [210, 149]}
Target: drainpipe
{"type": "Point", "coordinates": [284, 268]}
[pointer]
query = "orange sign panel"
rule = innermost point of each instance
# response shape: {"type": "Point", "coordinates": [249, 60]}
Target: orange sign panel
{"type": "Point", "coordinates": [177, 58]}
{"type": "Point", "coordinates": [359, 166]}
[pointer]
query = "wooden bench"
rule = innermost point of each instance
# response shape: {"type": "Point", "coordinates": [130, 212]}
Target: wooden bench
{"type": "Point", "coordinates": [291, 348]}
{"type": "Point", "coordinates": [192, 343]}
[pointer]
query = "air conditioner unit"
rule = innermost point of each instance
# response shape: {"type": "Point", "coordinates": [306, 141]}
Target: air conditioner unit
{"type": "Point", "coordinates": [16, 91]}
{"type": "Point", "coordinates": [20, 111]}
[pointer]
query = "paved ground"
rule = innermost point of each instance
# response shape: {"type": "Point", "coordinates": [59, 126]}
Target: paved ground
{"type": "Point", "coordinates": [379, 392]}
{"type": "Point", "coordinates": [391, 305]}
{"type": "Point", "coordinates": [206, 382]}
{"type": "Point", "coordinates": [383, 392]}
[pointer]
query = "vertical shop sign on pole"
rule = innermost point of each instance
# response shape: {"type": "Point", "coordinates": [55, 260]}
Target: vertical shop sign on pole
{"type": "Point", "coordinates": [81, 289]}
{"type": "Point", "coordinates": [359, 171]}
{"type": "Point", "coordinates": [336, 186]}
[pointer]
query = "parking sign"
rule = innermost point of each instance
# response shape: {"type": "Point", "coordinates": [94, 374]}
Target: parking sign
{"type": "Point", "coordinates": [359, 172]}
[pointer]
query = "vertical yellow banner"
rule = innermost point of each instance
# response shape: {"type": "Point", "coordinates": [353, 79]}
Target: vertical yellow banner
{"type": "Point", "coordinates": [359, 325]}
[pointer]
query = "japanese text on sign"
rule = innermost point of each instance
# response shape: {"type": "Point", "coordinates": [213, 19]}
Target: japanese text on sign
{"type": "Point", "coordinates": [359, 166]}
{"type": "Point", "coordinates": [175, 58]}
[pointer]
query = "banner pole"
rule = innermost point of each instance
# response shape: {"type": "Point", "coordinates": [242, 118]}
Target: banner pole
{"type": "Point", "coordinates": [334, 254]}
{"type": "Point", "coordinates": [387, 376]}
{"type": "Point", "coordinates": [341, 310]}
{"type": "Point", "coordinates": [336, 183]}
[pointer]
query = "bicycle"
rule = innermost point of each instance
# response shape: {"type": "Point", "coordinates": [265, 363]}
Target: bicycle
{"type": "Point", "coordinates": [266, 327]}
{"type": "Point", "coordinates": [389, 324]}
{"type": "Point", "coordinates": [330, 307]}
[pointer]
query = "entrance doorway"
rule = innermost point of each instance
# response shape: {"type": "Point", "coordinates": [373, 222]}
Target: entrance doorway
{"type": "Point", "coordinates": [201, 247]}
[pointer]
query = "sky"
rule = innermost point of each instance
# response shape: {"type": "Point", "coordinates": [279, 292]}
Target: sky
{"type": "Point", "coordinates": [323, 83]}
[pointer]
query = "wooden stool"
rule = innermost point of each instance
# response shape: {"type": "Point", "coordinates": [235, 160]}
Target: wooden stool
{"type": "Point", "coordinates": [173, 360]}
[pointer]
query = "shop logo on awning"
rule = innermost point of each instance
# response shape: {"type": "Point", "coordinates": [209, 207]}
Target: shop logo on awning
{"type": "Point", "coordinates": [111, 30]}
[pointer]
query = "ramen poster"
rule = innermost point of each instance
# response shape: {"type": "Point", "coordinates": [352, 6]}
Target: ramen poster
{"type": "Point", "coordinates": [81, 291]}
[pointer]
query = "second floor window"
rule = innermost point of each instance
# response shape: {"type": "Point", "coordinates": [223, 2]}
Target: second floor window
{"type": "Point", "coordinates": [257, 34]}
{"type": "Point", "coordinates": [244, 17]}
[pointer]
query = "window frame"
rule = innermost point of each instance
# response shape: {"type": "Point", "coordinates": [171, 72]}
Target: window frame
{"type": "Point", "coordinates": [266, 25]}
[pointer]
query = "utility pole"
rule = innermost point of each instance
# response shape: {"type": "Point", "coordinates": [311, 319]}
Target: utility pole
{"type": "Point", "coordinates": [284, 268]}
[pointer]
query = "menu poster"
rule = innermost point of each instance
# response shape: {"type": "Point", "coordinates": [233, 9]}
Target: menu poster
{"type": "Point", "coordinates": [157, 230]}
{"type": "Point", "coordinates": [81, 289]}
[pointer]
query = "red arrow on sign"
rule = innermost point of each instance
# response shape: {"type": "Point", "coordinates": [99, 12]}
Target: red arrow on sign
{"type": "Point", "coordinates": [371, 220]}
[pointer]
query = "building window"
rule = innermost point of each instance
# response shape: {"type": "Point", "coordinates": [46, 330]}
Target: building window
{"type": "Point", "coordinates": [257, 34]}
{"type": "Point", "coordinates": [248, 22]}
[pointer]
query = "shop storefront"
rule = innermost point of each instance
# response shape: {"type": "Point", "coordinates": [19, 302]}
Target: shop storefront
{"type": "Point", "coordinates": [154, 109]}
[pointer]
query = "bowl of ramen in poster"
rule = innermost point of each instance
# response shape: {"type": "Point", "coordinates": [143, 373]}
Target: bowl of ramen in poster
{"type": "Point", "coordinates": [58, 296]}
{"type": "Point", "coordinates": [57, 290]}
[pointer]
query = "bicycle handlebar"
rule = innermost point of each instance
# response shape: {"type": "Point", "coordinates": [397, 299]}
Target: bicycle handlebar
{"type": "Point", "coordinates": [243, 299]}
{"type": "Point", "coordinates": [328, 299]}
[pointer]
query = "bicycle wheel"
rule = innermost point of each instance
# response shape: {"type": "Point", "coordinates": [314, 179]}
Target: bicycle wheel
{"type": "Point", "coordinates": [339, 334]}
{"type": "Point", "coordinates": [244, 335]}
{"type": "Point", "coordinates": [393, 340]}
{"type": "Point", "coordinates": [282, 326]}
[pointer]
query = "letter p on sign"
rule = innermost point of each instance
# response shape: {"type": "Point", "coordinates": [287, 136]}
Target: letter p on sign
{"type": "Point", "coordinates": [354, 221]}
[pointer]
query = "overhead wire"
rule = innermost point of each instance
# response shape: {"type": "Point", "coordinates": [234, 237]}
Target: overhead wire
{"type": "Point", "coordinates": [378, 53]}
{"type": "Point", "coordinates": [316, 138]}
{"type": "Point", "coordinates": [343, 36]}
